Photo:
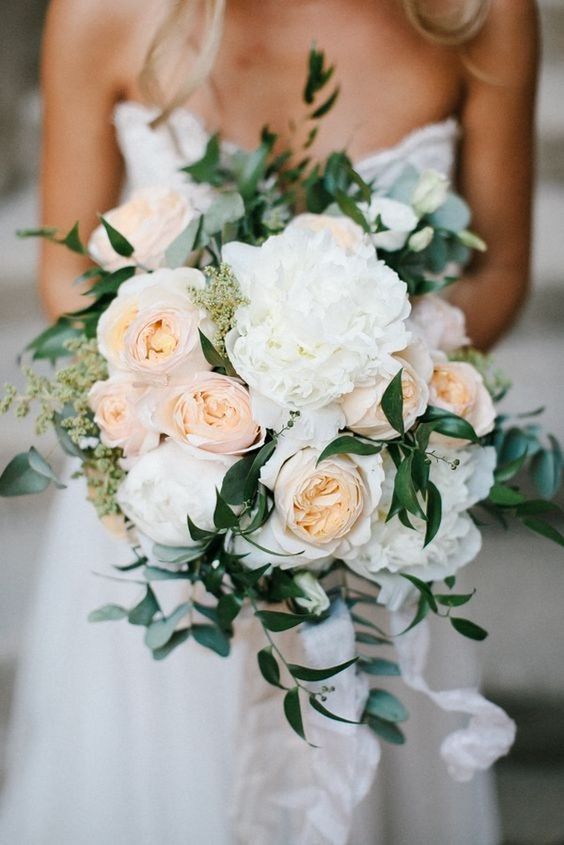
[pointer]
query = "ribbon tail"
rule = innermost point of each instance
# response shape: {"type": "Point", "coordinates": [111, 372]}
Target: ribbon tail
{"type": "Point", "coordinates": [490, 732]}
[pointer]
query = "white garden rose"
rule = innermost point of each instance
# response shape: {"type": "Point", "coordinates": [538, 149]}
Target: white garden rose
{"type": "Point", "coordinates": [115, 403]}
{"type": "Point", "coordinates": [209, 412]}
{"type": "Point", "coordinates": [398, 218]}
{"type": "Point", "coordinates": [362, 407]}
{"type": "Point", "coordinates": [430, 192]}
{"type": "Point", "coordinates": [346, 232]}
{"type": "Point", "coordinates": [394, 548]}
{"type": "Point", "coordinates": [441, 325]}
{"type": "Point", "coordinates": [151, 327]}
{"type": "Point", "coordinates": [420, 240]}
{"type": "Point", "coordinates": [458, 387]}
{"type": "Point", "coordinates": [167, 485]}
{"type": "Point", "coordinates": [320, 321]}
{"type": "Point", "coordinates": [315, 600]}
{"type": "Point", "coordinates": [322, 511]}
{"type": "Point", "coordinates": [150, 220]}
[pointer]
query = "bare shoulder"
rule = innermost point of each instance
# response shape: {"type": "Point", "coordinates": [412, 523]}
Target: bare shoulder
{"type": "Point", "coordinates": [507, 47]}
{"type": "Point", "coordinates": [98, 38]}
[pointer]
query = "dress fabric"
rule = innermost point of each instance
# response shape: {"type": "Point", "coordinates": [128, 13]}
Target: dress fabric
{"type": "Point", "coordinates": [109, 746]}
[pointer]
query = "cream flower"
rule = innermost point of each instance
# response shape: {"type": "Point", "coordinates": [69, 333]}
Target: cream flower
{"type": "Point", "coordinates": [458, 387]}
{"type": "Point", "coordinates": [345, 231]}
{"type": "Point", "coordinates": [315, 600]}
{"type": "Point", "coordinates": [441, 325]}
{"type": "Point", "coordinates": [150, 220]}
{"type": "Point", "coordinates": [319, 322]}
{"type": "Point", "coordinates": [165, 486]}
{"type": "Point", "coordinates": [115, 405]}
{"type": "Point", "coordinates": [210, 412]}
{"type": "Point", "coordinates": [398, 218]}
{"type": "Point", "coordinates": [394, 548]}
{"type": "Point", "coordinates": [151, 327]}
{"type": "Point", "coordinates": [322, 511]}
{"type": "Point", "coordinates": [430, 192]}
{"type": "Point", "coordinates": [363, 410]}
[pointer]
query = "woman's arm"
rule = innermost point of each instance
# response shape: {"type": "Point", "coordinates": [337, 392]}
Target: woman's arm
{"type": "Point", "coordinates": [84, 58]}
{"type": "Point", "coordinates": [496, 169]}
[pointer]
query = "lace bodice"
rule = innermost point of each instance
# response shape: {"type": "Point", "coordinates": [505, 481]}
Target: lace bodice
{"type": "Point", "coordinates": [154, 156]}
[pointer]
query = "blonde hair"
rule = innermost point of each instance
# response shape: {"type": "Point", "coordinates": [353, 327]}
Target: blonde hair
{"type": "Point", "coordinates": [455, 28]}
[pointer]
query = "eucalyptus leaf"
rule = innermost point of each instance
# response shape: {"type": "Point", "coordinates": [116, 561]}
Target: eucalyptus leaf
{"type": "Point", "coordinates": [453, 215]}
{"type": "Point", "coordinates": [384, 705]}
{"type": "Point", "coordinates": [177, 639]}
{"type": "Point", "coordinates": [182, 246]}
{"type": "Point", "coordinates": [144, 612]}
{"type": "Point", "coordinates": [108, 613]}
{"type": "Point", "coordinates": [50, 345]}
{"type": "Point", "coordinates": [38, 463]}
{"type": "Point", "coordinates": [21, 479]}
{"type": "Point", "coordinates": [160, 631]}
{"type": "Point", "coordinates": [156, 573]}
{"type": "Point", "coordinates": [211, 637]}
{"type": "Point", "coordinates": [386, 730]}
{"type": "Point", "coordinates": [379, 666]}
{"type": "Point", "coordinates": [546, 472]}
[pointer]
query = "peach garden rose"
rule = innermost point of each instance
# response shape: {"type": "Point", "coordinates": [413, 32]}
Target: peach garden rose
{"type": "Point", "coordinates": [115, 403]}
{"type": "Point", "coordinates": [459, 388]}
{"type": "Point", "coordinates": [211, 412]}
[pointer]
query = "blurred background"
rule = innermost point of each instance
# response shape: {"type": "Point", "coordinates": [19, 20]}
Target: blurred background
{"type": "Point", "coordinates": [520, 581]}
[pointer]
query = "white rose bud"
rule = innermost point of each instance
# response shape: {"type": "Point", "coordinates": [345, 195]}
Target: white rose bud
{"type": "Point", "coordinates": [472, 241]}
{"type": "Point", "coordinates": [398, 218]}
{"type": "Point", "coordinates": [315, 600]}
{"type": "Point", "coordinates": [420, 240]}
{"type": "Point", "coordinates": [430, 192]}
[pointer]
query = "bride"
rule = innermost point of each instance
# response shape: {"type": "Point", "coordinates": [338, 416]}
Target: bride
{"type": "Point", "coordinates": [108, 746]}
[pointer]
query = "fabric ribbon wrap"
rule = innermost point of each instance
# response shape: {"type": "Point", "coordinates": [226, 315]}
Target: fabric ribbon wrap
{"type": "Point", "coordinates": [286, 791]}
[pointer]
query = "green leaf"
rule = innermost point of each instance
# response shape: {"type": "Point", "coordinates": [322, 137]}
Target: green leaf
{"type": "Point", "coordinates": [392, 402]}
{"type": "Point", "coordinates": [182, 246]}
{"type": "Point", "coordinates": [450, 600]}
{"type": "Point", "coordinates": [304, 673]}
{"type": "Point", "coordinates": [293, 711]}
{"type": "Point", "coordinates": [384, 705]}
{"type": "Point", "coordinates": [317, 705]}
{"type": "Point", "coordinates": [108, 613]}
{"type": "Point", "coordinates": [155, 573]}
{"type": "Point", "coordinates": [213, 357]}
{"type": "Point", "coordinates": [111, 283]}
{"type": "Point", "coordinates": [533, 507]}
{"type": "Point", "coordinates": [199, 535]}
{"type": "Point", "coordinates": [370, 639]}
{"type": "Point", "coordinates": [73, 242]}
{"type": "Point", "coordinates": [404, 489]}
{"type": "Point", "coordinates": [546, 472]}
{"type": "Point", "coordinates": [467, 628]}
{"type": "Point", "coordinates": [386, 730]}
{"type": "Point", "coordinates": [269, 668]}
{"type": "Point", "coordinates": [539, 526]}
{"type": "Point", "coordinates": [144, 612]}
{"type": "Point", "coordinates": [505, 496]}
{"type": "Point", "coordinates": [204, 169]}
{"type": "Point", "coordinates": [38, 463]}
{"type": "Point", "coordinates": [450, 581]}
{"type": "Point", "coordinates": [260, 458]}
{"type": "Point", "coordinates": [213, 638]}
{"type": "Point", "coordinates": [423, 588]}
{"type": "Point", "coordinates": [177, 639]}
{"type": "Point", "coordinates": [223, 516]}
{"type": "Point", "coordinates": [451, 425]}
{"type": "Point", "coordinates": [176, 554]}
{"type": "Point", "coordinates": [50, 344]}
{"type": "Point", "coordinates": [507, 471]}
{"type": "Point", "coordinates": [453, 215]}
{"type": "Point", "coordinates": [434, 513]}
{"type": "Point", "coordinates": [232, 489]}
{"type": "Point", "coordinates": [273, 620]}
{"type": "Point", "coordinates": [160, 632]}
{"type": "Point", "coordinates": [378, 666]}
{"type": "Point", "coordinates": [118, 242]}
{"type": "Point", "coordinates": [227, 208]}
{"type": "Point", "coordinates": [347, 444]}
{"type": "Point", "coordinates": [349, 207]}
{"type": "Point", "coordinates": [326, 106]}
{"type": "Point", "coordinates": [21, 479]}
{"type": "Point", "coordinates": [48, 232]}
{"type": "Point", "coordinates": [228, 608]}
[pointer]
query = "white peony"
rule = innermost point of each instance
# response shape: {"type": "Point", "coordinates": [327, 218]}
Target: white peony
{"type": "Point", "coordinates": [346, 232]}
{"type": "Point", "coordinates": [394, 548]}
{"type": "Point", "coordinates": [167, 485]}
{"type": "Point", "coordinates": [320, 321]}
{"type": "Point", "coordinates": [322, 511]}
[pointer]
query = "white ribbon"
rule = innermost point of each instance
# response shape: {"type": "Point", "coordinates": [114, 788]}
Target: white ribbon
{"type": "Point", "coordinates": [490, 733]}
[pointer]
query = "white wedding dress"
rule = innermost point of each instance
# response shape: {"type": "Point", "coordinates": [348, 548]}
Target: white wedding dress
{"type": "Point", "coordinates": [109, 746]}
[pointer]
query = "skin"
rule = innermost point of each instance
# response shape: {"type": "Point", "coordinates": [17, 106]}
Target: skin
{"type": "Point", "coordinates": [94, 50]}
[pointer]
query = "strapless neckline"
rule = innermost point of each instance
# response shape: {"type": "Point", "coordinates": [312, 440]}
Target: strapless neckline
{"type": "Point", "coordinates": [440, 130]}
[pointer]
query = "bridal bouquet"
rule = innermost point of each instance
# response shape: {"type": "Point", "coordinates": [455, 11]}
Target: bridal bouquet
{"type": "Point", "coordinates": [279, 407]}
